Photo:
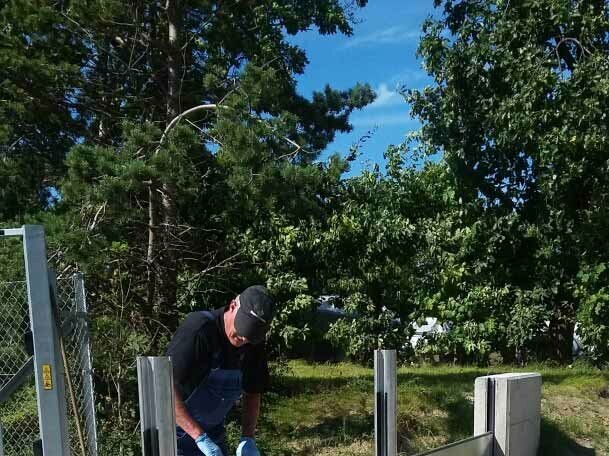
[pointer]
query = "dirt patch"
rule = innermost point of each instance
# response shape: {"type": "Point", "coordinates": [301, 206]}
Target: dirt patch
{"type": "Point", "coordinates": [585, 420]}
{"type": "Point", "coordinates": [316, 447]}
{"type": "Point", "coordinates": [578, 406]}
{"type": "Point", "coordinates": [357, 448]}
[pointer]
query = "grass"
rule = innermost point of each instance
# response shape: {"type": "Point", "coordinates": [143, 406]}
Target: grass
{"type": "Point", "coordinates": [327, 409]}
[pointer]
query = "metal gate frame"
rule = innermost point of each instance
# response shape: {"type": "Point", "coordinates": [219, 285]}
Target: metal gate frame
{"type": "Point", "coordinates": [47, 363]}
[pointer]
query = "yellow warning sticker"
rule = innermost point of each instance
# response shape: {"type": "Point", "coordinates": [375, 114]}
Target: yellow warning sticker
{"type": "Point", "coordinates": [47, 381]}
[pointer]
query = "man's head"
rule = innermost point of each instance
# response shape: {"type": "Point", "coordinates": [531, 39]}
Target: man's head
{"type": "Point", "coordinates": [249, 316]}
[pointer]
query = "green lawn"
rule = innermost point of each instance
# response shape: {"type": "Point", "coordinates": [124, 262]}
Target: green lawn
{"type": "Point", "coordinates": [323, 409]}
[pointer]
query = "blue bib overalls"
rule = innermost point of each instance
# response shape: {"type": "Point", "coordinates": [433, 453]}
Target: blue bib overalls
{"type": "Point", "coordinates": [209, 404]}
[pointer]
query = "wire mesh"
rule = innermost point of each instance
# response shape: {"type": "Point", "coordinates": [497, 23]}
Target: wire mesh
{"type": "Point", "coordinates": [19, 412]}
{"type": "Point", "coordinates": [71, 301]}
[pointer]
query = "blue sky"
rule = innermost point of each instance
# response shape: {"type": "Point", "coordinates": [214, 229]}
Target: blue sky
{"type": "Point", "coordinates": [381, 52]}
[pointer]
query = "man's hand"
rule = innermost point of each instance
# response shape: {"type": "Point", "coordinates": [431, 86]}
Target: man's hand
{"type": "Point", "coordinates": [247, 447]}
{"type": "Point", "coordinates": [207, 446]}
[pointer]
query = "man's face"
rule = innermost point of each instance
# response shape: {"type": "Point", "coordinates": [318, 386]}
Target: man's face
{"type": "Point", "coordinates": [229, 325]}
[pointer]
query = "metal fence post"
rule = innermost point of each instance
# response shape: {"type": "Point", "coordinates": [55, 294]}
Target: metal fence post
{"type": "Point", "coordinates": [52, 413]}
{"type": "Point", "coordinates": [157, 415]}
{"type": "Point", "coordinates": [379, 401]}
{"type": "Point", "coordinates": [385, 400]}
{"type": "Point", "coordinates": [85, 362]}
{"type": "Point", "coordinates": [390, 383]}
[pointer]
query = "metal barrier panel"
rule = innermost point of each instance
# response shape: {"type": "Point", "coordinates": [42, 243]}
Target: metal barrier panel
{"type": "Point", "coordinates": [480, 445]}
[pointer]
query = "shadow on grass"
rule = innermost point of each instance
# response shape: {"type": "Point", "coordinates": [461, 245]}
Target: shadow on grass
{"type": "Point", "coordinates": [555, 442]}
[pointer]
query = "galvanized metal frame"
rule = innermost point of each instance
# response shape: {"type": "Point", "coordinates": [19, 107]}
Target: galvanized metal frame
{"type": "Point", "coordinates": [81, 307]}
{"type": "Point", "coordinates": [50, 389]}
{"type": "Point", "coordinates": [379, 409]}
{"type": "Point", "coordinates": [45, 314]}
{"type": "Point", "coordinates": [157, 414]}
{"type": "Point", "coordinates": [385, 400]}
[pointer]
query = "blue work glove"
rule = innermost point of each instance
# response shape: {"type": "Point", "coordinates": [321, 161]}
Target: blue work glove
{"type": "Point", "coordinates": [207, 446]}
{"type": "Point", "coordinates": [247, 447]}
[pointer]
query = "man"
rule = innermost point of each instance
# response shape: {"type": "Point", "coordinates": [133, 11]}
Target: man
{"type": "Point", "coordinates": [216, 356]}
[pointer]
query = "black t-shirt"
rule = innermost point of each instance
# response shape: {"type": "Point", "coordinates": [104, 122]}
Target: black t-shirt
{"type": "Point", "coordinates": [198, 339]}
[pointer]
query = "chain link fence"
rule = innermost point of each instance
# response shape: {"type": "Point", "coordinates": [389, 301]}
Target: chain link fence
{"type": "Point", "coordinates": [72, 305]}
{"type": "Point", "coordinates": [18, 411]}
{"type": "Point", "coordinates": [18, 408]}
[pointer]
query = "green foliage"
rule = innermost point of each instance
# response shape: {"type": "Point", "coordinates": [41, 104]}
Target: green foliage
{"type": "Point", "coordinates": [593, 315]}
{"type": "Point", "coordinates": [84, 104]}
{"type": "Point", "coordinates": [518, 112]}
{"type": "Point", "coordinates": [274, 255]}
{"type": "Point", "coordinates": [504, 239]}
{"type": "Point", "coordinates": [39, 70]}
{"type": "Point", "coordinates": [365, 330]}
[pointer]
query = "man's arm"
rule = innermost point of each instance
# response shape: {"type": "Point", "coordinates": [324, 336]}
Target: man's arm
{"type": "Point", "coordinates": [183, 418]}
{"type": "Point", "coordinates": [251, 410]}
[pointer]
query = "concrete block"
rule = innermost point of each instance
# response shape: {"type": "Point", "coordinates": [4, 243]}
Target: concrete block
{"type": "Point", "coordinates": [524, 437]}
{"type": "Point", "coordinates": [509, 405]}
{"type": "Point", "coordinates": [525, 398]}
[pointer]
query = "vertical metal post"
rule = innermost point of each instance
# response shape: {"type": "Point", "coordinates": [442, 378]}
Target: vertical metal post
{"type": "Point", "coordinates": [52, 413]}
{"type": "Point", "coordinates": [157, 415]}
{"type": "Point", "coordinates": [390, 384]}
{"type": "Point", "coordinates": [385, 400]}
{"type": "Point", "coordinates": [380, 431]}
{"type": "Point", "coordinates": [89, 403]}
{"type": "Point", "coordinates": [490, 406]}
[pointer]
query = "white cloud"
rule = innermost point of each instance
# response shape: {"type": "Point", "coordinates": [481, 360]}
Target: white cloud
{"type": "Point", "coordinates": [386, 97]}
{"type": "Point", "coordinates": [382, 120]}
{"type": "Point", "coordinates": [390, 35]}
{"type": "Point", "coordinates": [409, 77]}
